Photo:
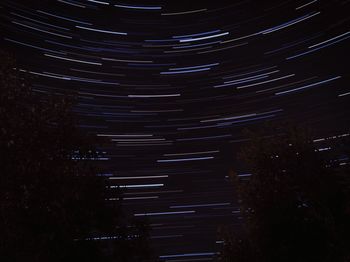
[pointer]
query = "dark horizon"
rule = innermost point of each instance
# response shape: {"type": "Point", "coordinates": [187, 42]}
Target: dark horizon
{"type": "Point", "coordinates": [172, 86]}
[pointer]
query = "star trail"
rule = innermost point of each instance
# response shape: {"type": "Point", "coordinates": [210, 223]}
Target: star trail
{"type": "Point", "coordinates": [171, 85]}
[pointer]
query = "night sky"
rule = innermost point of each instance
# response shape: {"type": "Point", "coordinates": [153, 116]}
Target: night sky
{"type": "Point", "coordinates": [172, 85]}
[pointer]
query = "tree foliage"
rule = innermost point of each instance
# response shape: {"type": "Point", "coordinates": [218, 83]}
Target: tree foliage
{"type": "Point", "coordinates": [295, 205]}
{"type": "Point", "coordinates": [52, 204]}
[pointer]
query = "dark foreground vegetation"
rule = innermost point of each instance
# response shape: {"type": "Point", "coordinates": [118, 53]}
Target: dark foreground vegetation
{"type": "Point", "coordinates": [295, 205]}
{"type": "Point", "coordinates": [52, 204]}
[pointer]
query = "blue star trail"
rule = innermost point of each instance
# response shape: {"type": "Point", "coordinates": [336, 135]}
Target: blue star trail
{"type": "Point", "coordinates": [173, 85]}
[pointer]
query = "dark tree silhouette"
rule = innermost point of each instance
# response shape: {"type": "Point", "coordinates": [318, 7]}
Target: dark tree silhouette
{"type": "Point", "coordinates": [295, 205]}
{"type": "Point", "coordinates": [52, 204]}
